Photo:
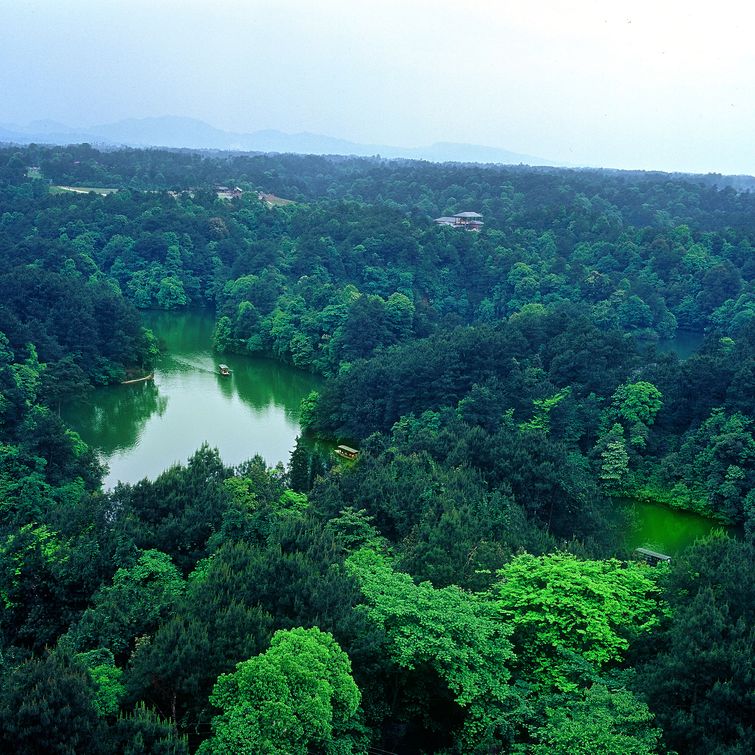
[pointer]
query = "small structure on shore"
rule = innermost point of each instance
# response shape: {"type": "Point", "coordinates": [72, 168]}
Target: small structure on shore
{"type": "Point", "coordinates": [144, 379]}
{"type": "Point", "coordinates": [224, 369]}
{"type": "Point", "coordinates": [347, 452]}
{"type": "Point", "coordinates": [469, 221]}
{"type": "Point", "coordinates": [652, 557]}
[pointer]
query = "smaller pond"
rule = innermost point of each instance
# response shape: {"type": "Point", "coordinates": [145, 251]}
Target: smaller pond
{"type": "Point", "coordinates": [684, 343]}
{"type": "Point", "coordinates": [663, 529]}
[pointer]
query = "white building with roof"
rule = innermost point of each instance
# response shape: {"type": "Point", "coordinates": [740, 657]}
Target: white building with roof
{"type": "Point", "coordinates": [470, 221]}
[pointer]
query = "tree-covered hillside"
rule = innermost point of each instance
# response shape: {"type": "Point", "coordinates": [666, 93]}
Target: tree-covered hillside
{"type": "Point", "coordinates": [463, 586]}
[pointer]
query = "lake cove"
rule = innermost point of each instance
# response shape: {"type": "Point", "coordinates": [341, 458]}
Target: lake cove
{"type": "Point", "coordinates": [142, 429]}
{"type": "Point", "coordinates": [663, 529]}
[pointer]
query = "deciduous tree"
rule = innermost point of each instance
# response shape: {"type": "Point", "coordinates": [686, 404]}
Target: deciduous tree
{"type": "Point", "coordinates": [295, 697]}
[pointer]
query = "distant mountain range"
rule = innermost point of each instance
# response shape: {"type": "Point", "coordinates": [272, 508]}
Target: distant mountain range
{"type": "Point", "coordinates": [176, 132]}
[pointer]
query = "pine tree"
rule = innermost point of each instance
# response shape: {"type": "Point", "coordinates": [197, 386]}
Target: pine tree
{"type": "Point", "coordinates": [316, 469]}
{"type": "Point", "coordinates": [298, 468]}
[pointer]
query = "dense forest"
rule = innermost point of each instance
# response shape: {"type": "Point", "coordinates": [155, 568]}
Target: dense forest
{"type": "Point", "coordinates": [462, 587]}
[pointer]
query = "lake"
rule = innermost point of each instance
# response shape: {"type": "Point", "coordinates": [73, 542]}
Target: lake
{"type": "Point", "coordinates": [142, 429]}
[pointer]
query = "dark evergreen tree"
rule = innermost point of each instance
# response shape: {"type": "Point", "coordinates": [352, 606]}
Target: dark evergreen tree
{"type": "Point", "coordinates": [47, 706]}
{"type": "Point", "coordinates": [699, 682]}
{"type": "Point", "coordinates": [298, 468]}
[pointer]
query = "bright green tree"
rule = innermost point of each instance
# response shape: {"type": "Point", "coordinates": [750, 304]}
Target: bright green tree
{"type": "Point", "coordinates": [308, 409]}
{"type": "Point", "coordinates": [295, 698]}
{"type": "Point", "coordinates": [107, 678]}
{"type": "Point", "coordinates": [451, 632]}
{"type": "Point", "coordinates": [636, 406]}
{"type": "Point", "coordinates": [597, 720]}
{"type": "Point", "coordinates": [565, 611]}
{"type": "Point", "coordinates": [28, 375]}
{"type": "Point", "coordinates": [171, 294]}
{"type": "Point", "coordinates": [399, 313]}
{"type": "Point", "coordinates": [222, 339]}
{"type": "Point", "coordinates": [355, 529]}
{"type": "Point", "coordinates": [543, 407]}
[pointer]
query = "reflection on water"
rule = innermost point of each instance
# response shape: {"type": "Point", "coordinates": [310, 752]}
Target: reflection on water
{"type": "Point", "coordinates": [142, 429]}
{"type": "Point", "coordinates": [663, 529]}
{"type": "Point", "coordinates": [117, 414]}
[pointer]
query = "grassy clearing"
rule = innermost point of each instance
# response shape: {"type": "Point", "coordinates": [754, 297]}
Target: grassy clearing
{"type": "Point", "coordinates": [274, 201]}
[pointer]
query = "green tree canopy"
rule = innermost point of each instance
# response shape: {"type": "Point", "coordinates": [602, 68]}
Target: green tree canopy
{"type": "Point", "coordinates": [134, 604]}
{"type": "Point", "coordinates": [699, 670]}
{"type": "Point", "coordinates": [295, 697]}
{"type": "Point", "coordinates": [561, 606]}
{"type": "Point", "coordinates": [597, 720]}
{"type": "Point", "coordinates": [450, 632]}
{"type": "Point", "coordinates": [636, 405]}
{"type": "Point", "coordinates": [47, 705]}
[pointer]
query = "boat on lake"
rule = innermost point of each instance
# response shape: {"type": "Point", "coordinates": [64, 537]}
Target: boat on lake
{"type": "Point", "coordinates": [224, 369]}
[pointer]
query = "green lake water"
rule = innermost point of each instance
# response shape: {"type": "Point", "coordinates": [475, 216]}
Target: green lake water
{"type": "Point", "coordinates": [663, 529]}
{"type": "Point", "coordinates": [142, 429]}
{"type": "Point", "coordinates": [684, 343]}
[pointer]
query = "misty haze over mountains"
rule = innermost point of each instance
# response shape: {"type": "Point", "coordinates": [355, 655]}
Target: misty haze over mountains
{"type": "Point", "coordinates": [174, 132]}
{"type": "Point", "coordinates": [178, 132]}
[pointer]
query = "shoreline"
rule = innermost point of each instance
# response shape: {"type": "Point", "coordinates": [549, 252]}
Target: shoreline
{"type": "Point", "coordinates": [151, 376]}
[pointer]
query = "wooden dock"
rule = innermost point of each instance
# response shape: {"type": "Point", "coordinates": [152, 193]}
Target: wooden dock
{"type": "Point", "coordinates": [144, 379]}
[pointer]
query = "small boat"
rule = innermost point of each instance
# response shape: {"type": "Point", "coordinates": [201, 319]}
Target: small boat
{"type": "Point", "coordinates": [224, 369]}
{"type": "Point", "coordinates": [346, 452]}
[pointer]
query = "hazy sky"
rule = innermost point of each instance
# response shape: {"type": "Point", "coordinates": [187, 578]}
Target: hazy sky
{"type": "Point", "coordinates": [660, 84]}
